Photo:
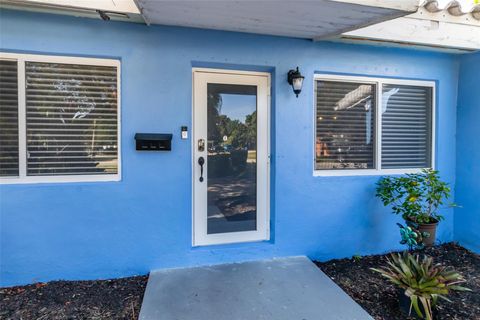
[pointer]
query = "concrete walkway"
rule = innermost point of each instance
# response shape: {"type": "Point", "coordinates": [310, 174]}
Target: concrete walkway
{"type": "Point", "coordinates": [286, 288]}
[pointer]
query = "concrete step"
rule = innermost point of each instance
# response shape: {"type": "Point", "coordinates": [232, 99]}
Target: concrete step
{"type": "Point", "coordinates": [285, 288]}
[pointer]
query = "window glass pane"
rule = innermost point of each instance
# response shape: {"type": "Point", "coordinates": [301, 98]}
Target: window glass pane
{"type": "Point", "coordinates": [406, 126]}
{"type": "Point", "coordinates": [8, 118]}
{"type": "Point", "coordinates": [345, 125]}
{"type": "Point", "coordinates": [232, 158]}
{"type": "Point", "coordinates": [71, 119]}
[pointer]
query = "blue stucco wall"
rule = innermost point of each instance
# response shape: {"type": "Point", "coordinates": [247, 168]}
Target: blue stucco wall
{"type": "Point", "coordinates": [467, 217]}
{"type": "Point", "coordinates": [113, 229]}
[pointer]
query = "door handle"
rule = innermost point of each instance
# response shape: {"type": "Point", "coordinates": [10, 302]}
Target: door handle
{"type": "Point", "coordinates": [201, 162]}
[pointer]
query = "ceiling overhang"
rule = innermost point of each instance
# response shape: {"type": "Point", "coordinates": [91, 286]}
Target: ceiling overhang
{"type": "Point", "coordinates": [310, 19]}
{"type": "Point", "coordinates": [316, 20]}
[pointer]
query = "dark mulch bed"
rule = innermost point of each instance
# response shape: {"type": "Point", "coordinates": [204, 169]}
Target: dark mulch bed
{"type": "Point", "coordinates": [379, 298]}
{"type": "Point", "coordinates": [101, 299]}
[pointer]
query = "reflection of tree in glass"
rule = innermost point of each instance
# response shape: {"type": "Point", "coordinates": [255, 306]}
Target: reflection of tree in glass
{"type": "Point", "coordinates": [239, 135]}
{"type": "Point", "coordinates": [72, 118]}
{"type": "Point", "coordinates": [214, 105]}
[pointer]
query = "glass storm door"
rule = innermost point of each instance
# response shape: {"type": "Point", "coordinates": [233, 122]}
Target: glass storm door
{"type": "Point", "coordinates": [230, 157]}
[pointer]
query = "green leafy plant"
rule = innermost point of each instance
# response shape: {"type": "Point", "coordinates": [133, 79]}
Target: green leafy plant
{"type": "Point", "coordinates": [417, 197]}
{"type": "Point", "coordinates": [357, 258]}
{"type": "Point", "coordinates": [422, 281]}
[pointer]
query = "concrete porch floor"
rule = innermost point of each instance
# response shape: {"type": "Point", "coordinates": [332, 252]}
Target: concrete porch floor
{"type": "Point", "coordinates": [286, 288]}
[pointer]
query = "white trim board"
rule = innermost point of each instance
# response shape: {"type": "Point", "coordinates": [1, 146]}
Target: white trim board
{"type": "Point", "coordinates": [23, 177]}
{"type": "Point", "coordinates": [403, 5]}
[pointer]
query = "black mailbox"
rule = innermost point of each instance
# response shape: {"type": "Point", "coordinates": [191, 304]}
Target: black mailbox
{"type": "Point", "coordinates": [153, 141]}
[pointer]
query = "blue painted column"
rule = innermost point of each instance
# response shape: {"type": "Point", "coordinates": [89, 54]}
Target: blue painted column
{"type": "Point", "coordinates": [467, 193]}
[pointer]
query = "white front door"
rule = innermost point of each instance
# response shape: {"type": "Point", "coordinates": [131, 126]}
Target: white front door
{"type": "Point", "coordinates": [230, 156]}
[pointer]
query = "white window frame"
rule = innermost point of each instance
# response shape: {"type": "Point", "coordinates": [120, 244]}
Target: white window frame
{"type": "Point", "coordinates": [22, 132]}
{"type": "Point", "coordinates": [378, 82]}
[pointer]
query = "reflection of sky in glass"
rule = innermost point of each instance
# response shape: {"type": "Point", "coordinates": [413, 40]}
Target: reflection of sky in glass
{"type": "Point", "coordinates": [238, 106]}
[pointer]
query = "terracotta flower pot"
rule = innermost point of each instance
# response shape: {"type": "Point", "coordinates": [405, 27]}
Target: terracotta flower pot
{"type": "Point", "coordinates": [430, 228]}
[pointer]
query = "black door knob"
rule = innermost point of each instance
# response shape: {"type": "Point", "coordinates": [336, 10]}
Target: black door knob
{"type": "Point", "coordinates": [201, 162]}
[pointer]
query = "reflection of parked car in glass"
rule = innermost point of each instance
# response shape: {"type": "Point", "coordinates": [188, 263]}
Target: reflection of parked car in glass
{"type": "Point", "coordinates": [321, 148]}
{"type": "Point", "coordinates": [339, 147]}
{"type": "Point", "coordinates": [226, 160]}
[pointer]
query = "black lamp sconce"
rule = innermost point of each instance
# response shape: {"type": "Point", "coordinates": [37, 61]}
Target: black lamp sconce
{"type": "Point", "coordinates": [295, 79]}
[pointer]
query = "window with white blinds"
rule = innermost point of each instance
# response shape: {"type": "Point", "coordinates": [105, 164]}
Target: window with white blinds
{"type": "Point", "coordinates": [406, 126]}
{"type": "Point", "coordinates": [71, 119]}
{"type": "Point", "coordinates": [372, 125]}
{"type": "Point", "coordinates": [8, 118]}
{"type": "Point", "coordinates": [63, 119]}
{"type": "Point", "coordinates": [345, 135]}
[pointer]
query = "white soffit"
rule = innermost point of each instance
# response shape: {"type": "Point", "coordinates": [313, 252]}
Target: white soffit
{"type": "Point", "coordinates": [445, 28]}
{"type": "Point", "coordinates": [300, 19]}
{"type": "Point", "coordinates": [123, 10]}
{"type": "Point", "coordinates": [105, 5]}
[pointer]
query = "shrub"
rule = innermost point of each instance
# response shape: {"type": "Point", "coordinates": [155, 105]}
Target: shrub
{"type": "Point", "coordinates": [417, 197]}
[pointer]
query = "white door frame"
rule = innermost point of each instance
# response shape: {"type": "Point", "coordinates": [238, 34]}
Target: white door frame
{"type": "Point", "coordinates": [200, 77]}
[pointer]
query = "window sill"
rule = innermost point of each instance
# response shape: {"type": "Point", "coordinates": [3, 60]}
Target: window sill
{"type": "Point", "coordinates": [365, 172]}
{"type": "Point", "coordinates": [60, 179]}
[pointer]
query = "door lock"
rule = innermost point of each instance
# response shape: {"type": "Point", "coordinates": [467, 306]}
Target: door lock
{"type": "Point", "coordinates": [201, 145]}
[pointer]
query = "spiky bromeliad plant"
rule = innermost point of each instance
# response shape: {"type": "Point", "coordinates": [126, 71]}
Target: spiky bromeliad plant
{"type": "Point", "coordinates": [422, 280]}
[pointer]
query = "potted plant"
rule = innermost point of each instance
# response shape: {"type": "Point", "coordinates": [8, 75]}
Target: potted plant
{"type": "Point", "coordinates": [421, 282]}
{"type": "Point", "coordinates": [417, 197]}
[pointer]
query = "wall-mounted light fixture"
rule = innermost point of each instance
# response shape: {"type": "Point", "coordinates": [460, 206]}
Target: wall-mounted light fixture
{"type": "Point", "coordinates": [295, 79]}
